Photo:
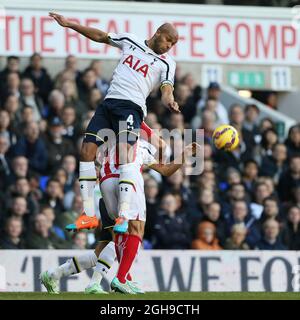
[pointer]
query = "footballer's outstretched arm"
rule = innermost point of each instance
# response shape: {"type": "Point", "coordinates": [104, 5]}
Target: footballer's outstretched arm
{"type": "Point", "coordinates": [91, 33]}
{"type": "Point", "coordinates": [167, 97]}
{"type": "Point", "coordinates": [168, 169]}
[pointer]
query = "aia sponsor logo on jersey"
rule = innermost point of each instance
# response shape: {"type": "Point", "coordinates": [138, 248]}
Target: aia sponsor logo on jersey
{"type": "Point", "coordinates": [136, 65]}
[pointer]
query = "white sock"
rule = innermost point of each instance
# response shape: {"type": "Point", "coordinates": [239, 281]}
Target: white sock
{"type": "Point", "coordinates": [104, 263]}
{"type": "Point", "coordinates": [127, 187]}
{"type": "Point", "coordinates": [74, 265]}
{"type": "Point", "coordinates": [87, 179]}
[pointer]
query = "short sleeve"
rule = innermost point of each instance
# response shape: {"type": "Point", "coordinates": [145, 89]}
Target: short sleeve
{"type": "Point", "coordinates": [168, 73]}
{"type": "Point", "coordinates": [118, 39]}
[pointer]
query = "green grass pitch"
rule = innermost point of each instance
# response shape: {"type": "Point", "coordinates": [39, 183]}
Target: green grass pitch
{"type": "Point", "coordinates": [154, 296]}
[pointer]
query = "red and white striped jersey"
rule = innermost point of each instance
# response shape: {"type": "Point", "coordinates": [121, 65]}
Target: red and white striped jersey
{"type": "Point", "coordinates": [145, 153]}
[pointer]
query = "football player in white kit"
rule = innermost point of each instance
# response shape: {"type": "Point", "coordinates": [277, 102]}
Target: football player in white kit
{"type": "Point", "coordinates": [144, 64]}
{"type": "Point", "coordinates": [104, 254]}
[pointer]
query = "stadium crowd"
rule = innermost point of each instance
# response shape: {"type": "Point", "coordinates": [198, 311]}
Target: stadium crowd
{"type": "Point", "coordinates": [246, 199]}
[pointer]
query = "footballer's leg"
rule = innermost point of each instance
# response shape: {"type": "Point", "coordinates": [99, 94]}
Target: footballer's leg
{"type": "Point", "coordinates": [105, 250]}
{"type": "Point", "coordinates": [94, 137]}
{"type": "Point", "coordinates": [77, 264]}
{"type": "Point", "coordinates": [127, 246]}
{"type": "Point", "coordinates": [127, 121]}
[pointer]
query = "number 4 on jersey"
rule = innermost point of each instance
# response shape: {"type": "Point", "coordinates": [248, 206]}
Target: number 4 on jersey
{"type": "Point", "coordinates": [129, 121]}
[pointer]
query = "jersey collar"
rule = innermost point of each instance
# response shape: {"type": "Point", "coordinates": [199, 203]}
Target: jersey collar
{"type": "Point", "coordinates": [150, 50]}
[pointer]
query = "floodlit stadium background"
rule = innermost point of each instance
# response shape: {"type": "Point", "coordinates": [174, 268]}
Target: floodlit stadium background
{"type": "Point", "coordinates": [252, 53]}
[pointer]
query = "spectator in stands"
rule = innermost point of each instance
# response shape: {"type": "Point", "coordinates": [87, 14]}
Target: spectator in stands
{"type": "Point", "coordinates": [22, 188]}
{"type": "Point", "coordinates": [207, 180]}
{"type": "Point", "coordinates": [213, 215]}
{"type": "Point", "coordinates": [235, 192]}
{"type": "Point", "coordinates": [270, 239]}
{"type": "Point", "coordinates": [12, 106]}
{"type": "Point", "coordinates": [80, 241]}
{"type": "Point", "coordinates": [293, 140]}
{"type": "Point", "coordinates": [266, 123]}
{"type": "Point", "coordinates": [53, 196]}
{"type": "Point", "coordinates": [61, 175]}
{"type": "Point", "coordinates": [176, 122]}
{"type": "Point", "coordinates": [56, 104]}
{"type": "Point", "coordinates": [41, 237]}
{"type": "Point", "coordinates": [57, 145]}
{"type": "Point", "coordinates": [27, 116]}
{"type": "Point", "coordinates": [12, 236]}
{"type": "Point", "coordinates": [189, 109]}
{"type": "Point", "coordinates": [12, 65]}
{"type": "Point", "coordinates": [50, 215]}
{"type": "Point", "coordinates": [152, 205]}
{"type": "Point", "coordinates": [295, 200]}
{"type": "Point", "coordinates": [251, 119]}
{"type": "Point", "coordinates": [29, 97]}
{"type": "Point", "coordinates": [39, 75]}
{"type": "Point", "coordinates": [205, 198]}
{"type": "Point", "coordinates": [12, 85]}
{"type": "Point", "coordinates": [182, 93]}
{"type": "Point", "coordinates": [94, 99]}
{"type": "Point", "coordinates": [4, 163]}
{"type": "Point", "coordinates": [70, 128]}
{"type": "Point", "coordinates": [171, 230]}
{"type": "Point", "coordinates": [87, 84]}
{"type": "Point", "coordinates": [33, 148]}
{"type": "Point", "coordinates": [69, 165]}
{"type": "Point", "coordinates": [175, 184]}
{"type": "Point", "coordinates": [268, 141]}
{"type": "Point", "coordinates": [101, 84]}
{"type": "Point", "coordinates": [272, 100]}
{"type": "Point", "coordinates": [241, 215]}
{"type": "Point", "coordinates": [271, 210]}
{"type": "Point", "coordinates": [206, 238]}
{"type": "Point", "coordinates": [233, 176]}
{"type": "Point", "coordinates": [70, 92]}
{"type": "Point", "coordinates": [214, 92]}
{"type": "Point", "coordinates": [261, 192]}
{"type": "Point", "coordinates": [237, 238]}
{"type": "Point", "coordinates": [250, 174]}
{"type": "Point", "coordinates": [291, 230]}
{"type": "Point", "coordinates": [19, 168]}
{"type": "Point", "coordinates": [5, 129]}
{"type": "Point", "coordinates": [210, 105]}
{"type": "Point", "coordinates": [289, 179]}
{"type": "Point", "coordinates": [236, 118]}
{"type": "Point", "coordinates": [19, 209]}
{"type": "Point", "coordinates": [71, 68]}
{"type": "Point", "coordinates": [208, 124]}
{"type": "Point", "coordinates": [273, 165]}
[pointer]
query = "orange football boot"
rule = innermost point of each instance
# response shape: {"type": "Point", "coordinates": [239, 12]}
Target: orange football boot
{"type": "Point", "coordinates": [83, 222]}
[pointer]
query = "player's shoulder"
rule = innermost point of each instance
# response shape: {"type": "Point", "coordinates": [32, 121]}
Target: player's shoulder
{"type": "Point", "coordinates": [123, 36]}
{"type": "Point", "coordinates": [168, 59]}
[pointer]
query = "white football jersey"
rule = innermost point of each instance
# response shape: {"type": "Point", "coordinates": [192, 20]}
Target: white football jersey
{"type": "Point", "coordinates": [139, 70]}
{"type": "Point", "coordinates": [145, 153]}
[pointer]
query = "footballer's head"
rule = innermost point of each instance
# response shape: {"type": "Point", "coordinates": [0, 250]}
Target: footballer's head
{"type": "Point", "coordinates": [165, 37]}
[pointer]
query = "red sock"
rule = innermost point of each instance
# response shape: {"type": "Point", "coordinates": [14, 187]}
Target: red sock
{"type": "Point", "coordinates": [117, 239]}
{"type": "Point", "coordinates": [130, 248]}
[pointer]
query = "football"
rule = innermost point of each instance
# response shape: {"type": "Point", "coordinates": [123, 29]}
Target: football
{"type": "Point", "coordinates": [226, 137]}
